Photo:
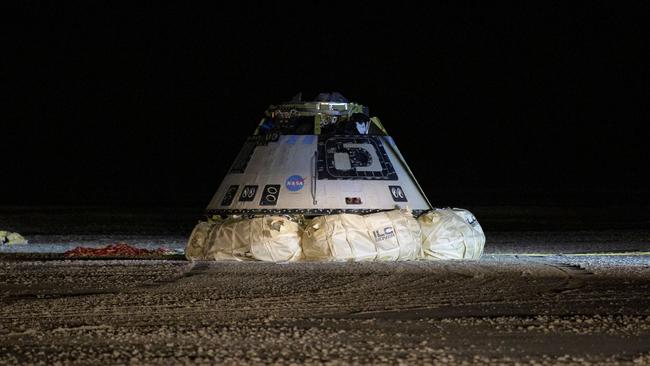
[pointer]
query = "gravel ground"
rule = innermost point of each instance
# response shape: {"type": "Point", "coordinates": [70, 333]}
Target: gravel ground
{"type": "Point", "coordinates": [511, 307]}
{"type": "Point", "coordinates": [501, 309]}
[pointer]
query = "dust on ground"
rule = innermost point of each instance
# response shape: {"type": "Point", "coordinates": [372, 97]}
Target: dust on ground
{"type": "Point", "coordinates": [507, 308]}
{"type": "Point", "coordinates": [502, 309]}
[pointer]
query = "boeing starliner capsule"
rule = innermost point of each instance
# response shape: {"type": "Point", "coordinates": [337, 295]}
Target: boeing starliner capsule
{"type": "Point", "coordinates": [323, 181]}
{"type": "Point", "coordinates": [315, 158]}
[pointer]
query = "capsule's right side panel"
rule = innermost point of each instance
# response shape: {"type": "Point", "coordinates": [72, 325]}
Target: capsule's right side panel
{"type": "Point", "coordinates": [406, 191]}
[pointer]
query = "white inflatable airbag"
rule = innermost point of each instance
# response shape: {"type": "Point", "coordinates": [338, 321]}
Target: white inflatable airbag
{"type": "Point", "coordinates": [451, 234]}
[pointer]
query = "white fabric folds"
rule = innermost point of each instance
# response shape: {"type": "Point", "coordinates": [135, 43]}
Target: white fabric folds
{"type": "Point", "coordinates": [451, 234]}
{"type": "Point", "coordinates": [268, 238]}
{"type": "Point", "coordinates": [383, 236]}
{"type": "Point", "coordinates": [9, 238]}
{"type": "Point", "coordinates": [196, 248]}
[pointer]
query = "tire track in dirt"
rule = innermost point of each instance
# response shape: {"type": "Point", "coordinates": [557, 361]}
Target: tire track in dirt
{"type": "Point", "coordinates": [364, 291]}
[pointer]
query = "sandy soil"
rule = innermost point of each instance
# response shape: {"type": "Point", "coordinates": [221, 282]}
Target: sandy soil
{"type": "Point", "coordinates": [502, 309]}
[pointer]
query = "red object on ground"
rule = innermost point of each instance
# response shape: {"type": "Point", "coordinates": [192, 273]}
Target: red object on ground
{"type": "Point", "coordinates": [113, 250]}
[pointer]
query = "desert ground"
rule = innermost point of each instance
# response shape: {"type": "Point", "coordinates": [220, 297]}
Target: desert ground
{"type": "Point", "coordinates": [567, 294]}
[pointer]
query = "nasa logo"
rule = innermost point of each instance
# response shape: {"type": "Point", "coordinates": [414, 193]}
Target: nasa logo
{"type": "Point", "coordinates": [295, 183]}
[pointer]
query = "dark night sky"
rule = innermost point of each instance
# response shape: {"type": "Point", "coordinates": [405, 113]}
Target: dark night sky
{"type": "Point", "coordinates": [149, 104]}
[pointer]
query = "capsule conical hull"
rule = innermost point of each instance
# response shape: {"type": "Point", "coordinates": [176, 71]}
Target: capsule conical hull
{"type": "Point", "coordinates": [317, 175]}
